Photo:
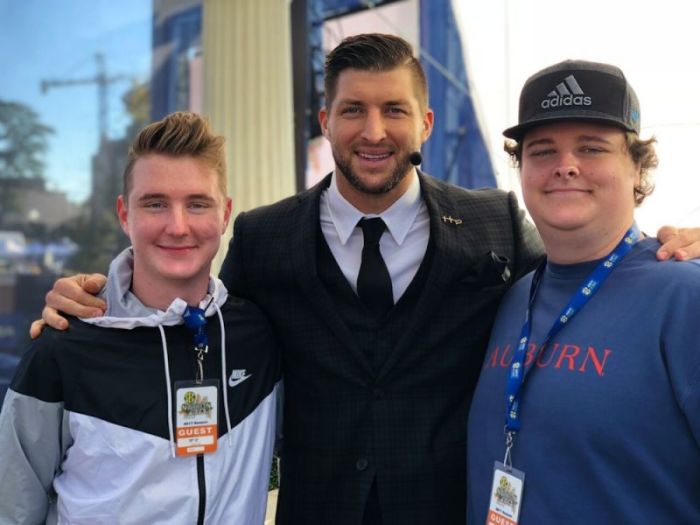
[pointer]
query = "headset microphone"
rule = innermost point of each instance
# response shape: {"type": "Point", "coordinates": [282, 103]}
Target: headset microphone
{"type": "Point", "coordinates": [415, 158]}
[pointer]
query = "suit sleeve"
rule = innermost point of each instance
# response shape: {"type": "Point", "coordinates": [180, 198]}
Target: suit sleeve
{"type": "Point", "coordinates": [231, 273]}
{"type": "Point", "coordinates": [529, 250]}
{"type": "Point", "coordinates": [33, 438]}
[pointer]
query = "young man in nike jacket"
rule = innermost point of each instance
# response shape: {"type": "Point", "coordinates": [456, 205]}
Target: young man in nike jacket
{"type": "Point", "coordinates": [173, 419]}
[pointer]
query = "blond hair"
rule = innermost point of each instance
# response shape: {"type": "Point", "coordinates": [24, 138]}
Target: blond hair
{"type": "Point", "coordinates": [180, 134]}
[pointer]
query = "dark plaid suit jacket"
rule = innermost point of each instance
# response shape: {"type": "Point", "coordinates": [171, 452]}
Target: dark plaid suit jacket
{"type": "Point", "coordinates": [344, 423]}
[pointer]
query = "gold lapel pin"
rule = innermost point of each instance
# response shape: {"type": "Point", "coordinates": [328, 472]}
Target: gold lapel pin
{"type": "Point", "coordinates": [448, 219]}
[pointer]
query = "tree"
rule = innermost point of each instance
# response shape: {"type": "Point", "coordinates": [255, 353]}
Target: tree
{"type": "Point", "coordinates": [23, 144]}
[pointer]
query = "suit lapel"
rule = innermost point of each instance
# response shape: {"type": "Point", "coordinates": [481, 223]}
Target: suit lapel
{"type": "Point", "coordinates": [447, 237]}
{"type": "Point", "coordinates": [304, 250]}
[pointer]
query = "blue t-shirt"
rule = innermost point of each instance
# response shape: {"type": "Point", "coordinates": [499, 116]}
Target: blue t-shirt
{"type": "Point", "coordinates": [610, 410]}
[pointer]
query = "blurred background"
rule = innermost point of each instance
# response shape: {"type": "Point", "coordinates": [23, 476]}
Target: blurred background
{"type": "Point", "coordinates": [81, 77]}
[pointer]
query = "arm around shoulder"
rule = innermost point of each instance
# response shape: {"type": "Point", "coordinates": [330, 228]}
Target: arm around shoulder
{"type": "Point", "coordinates": [73, 295]}
{"type": "Point", "coordinates": [681, 244]}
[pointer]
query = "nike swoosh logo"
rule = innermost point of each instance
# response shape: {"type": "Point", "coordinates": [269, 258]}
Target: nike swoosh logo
{"type": "Point", "coordinates": [235, 382]}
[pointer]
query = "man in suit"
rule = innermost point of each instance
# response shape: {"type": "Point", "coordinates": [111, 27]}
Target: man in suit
{"type": "Point", "coordinates": [376, 397]}
{"type": "Point", "coordinates": [376, 403]}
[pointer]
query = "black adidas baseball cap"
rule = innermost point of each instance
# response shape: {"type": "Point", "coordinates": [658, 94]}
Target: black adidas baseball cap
{"type": "Point", "coordinates": [576, 90]}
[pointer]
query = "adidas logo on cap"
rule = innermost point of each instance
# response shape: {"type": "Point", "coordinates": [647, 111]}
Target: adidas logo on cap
{"type": "Point", "coordinates": [566, 93]}
{"type": "Point", "coordinates": [554, 94]}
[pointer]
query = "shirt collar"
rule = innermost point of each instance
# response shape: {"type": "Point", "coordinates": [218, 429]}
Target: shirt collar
{"type": "Point", "coordinates": [399, 217]}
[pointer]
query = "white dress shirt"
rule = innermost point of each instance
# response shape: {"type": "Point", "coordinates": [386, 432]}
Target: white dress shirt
{"type": "Point", "coordinates": [402, 245]}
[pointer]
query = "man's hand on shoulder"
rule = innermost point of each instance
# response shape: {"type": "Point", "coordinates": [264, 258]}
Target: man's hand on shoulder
{"type": "Point", "coordinates": [681, 244]}
{"type": "Point", "coordinates": [73, 295]}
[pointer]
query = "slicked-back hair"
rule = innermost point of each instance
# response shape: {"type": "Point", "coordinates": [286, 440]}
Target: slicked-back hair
{"type": "Point", "coordinates": [375, 52]}
{"type": "Point", "coordinates": [180, 134]}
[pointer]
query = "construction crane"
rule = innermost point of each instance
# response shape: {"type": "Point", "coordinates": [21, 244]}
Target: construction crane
{"type": "Point", "coordinates": [101, 79]}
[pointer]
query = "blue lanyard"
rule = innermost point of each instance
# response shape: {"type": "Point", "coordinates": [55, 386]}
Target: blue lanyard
{"type": "Point", "coordinates": [586, 290]}
{"type": "Point", "coordinates": [197, 323]}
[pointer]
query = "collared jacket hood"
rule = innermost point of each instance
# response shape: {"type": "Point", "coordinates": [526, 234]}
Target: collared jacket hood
{"type": "Point", "coordinates": [125, 310]}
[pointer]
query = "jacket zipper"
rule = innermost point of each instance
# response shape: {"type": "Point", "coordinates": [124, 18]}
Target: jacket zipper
{"type": "Point", "coordinates": [202, 489]}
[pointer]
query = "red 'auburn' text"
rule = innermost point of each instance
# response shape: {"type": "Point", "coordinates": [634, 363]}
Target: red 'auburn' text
{"type": "Point", "coordinates": [562, 356]}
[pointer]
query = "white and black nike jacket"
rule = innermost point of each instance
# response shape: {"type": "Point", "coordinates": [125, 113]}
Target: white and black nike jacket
{"type": "Point", "coordinates": [86, 429]}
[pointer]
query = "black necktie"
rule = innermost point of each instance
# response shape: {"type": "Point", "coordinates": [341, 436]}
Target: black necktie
{"type": "Point", "coordinates": [374, 281]}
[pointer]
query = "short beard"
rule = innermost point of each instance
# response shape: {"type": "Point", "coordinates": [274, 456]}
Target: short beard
{"type": "Point", "coordinates": [400, 171]}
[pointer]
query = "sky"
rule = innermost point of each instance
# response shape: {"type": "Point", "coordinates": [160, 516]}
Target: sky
{"type": "Point", "coordinates": [58, 39]}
